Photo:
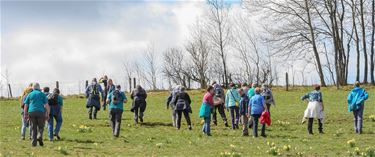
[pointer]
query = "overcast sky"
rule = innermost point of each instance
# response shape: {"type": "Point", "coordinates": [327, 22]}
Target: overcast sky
{"type": "Point", "coordinates": [70, 41]}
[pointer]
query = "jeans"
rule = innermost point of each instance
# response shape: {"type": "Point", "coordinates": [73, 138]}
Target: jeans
{"type": "Point", "coordinates": [220, 108]}
{"type": "Point", "coordinates": [138, 114]}
{"type": "Point", "coordinates": [235, 116]}
{"type": "Point", "coordinates": [37, 120]}
{"type": "Point", "coordinates": [25, 124]}
{"type": "Point", "coordinates": [245, 130]}
{"type": "Point", "coordinates": [115, 116]}
{"type": "Point", "coordinates": [179, 117]}
{"type": "Point", "coordinates": [206, 126]}
{"type": "Point", "coordinates": [174, 117]}
{"type": "Point", "coordinates": [255, 125]}
{"type": "Point", "coordinates": [59, 120]}
{"type": "Point", "coordinates": [310, 125]}
{"type": "Point", "coordinates": [358, 114]}
{"type": "Point", "coordinates": [92, 110]}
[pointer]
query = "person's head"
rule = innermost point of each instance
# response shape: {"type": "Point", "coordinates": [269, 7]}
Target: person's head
{"type": "Point", "coordinates": [214, 82]}
{"type": "Point", "coordinates": [253, 85]}
{"type": "Point", "coordinates": [258, 90]}
{"type": "Point", "coordinates": [240, 91]}
{"type": "Point", "coordinates": [118, 87]}
{"type": "Point", "coordinates": [36, 86]}
{"type": "Point", "coordinates": [264, 86]}
{"type": "Point", "coordinates": [94, 81]}
{"type": "Point", "coordinates": [244, 84]}
{"type": "Point", "coordinates": [105, 77]}
{"type": "Point", "coordinates": [46, 89]}
{"type": "Point", "coordinates": [31, 85]}
{"type": "Point", "coordinates": [357, 84]}
{"type": "Point", "coordinates": [138, 87]}
{"type": "Point", "coordinates": [232, 85]}
{"type": "Point", "coordinates": [110, 82]}
{"type": "Point", "coordinates": [222, 85]}
{"type": "Point", "coordinates": [210, 89]}
{"type": "Point", "coordinates": [317, 87]}
{"type": "Point", "coordinates": [182, 89]}
{"type": "Point", "coordinates": [56, 91]}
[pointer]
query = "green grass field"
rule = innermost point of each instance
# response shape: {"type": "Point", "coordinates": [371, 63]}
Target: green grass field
{"type": "Point", "coordinates": [157, 137]}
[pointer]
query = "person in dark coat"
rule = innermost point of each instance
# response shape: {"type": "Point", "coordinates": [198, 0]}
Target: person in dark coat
{"type": "Point", "coordinates": [139, 96]}
{"type": "Point", "coordinates": [172, 95]}
{"type": "Point", "coordinates": [104, 80]}
{"type": "Point", "coordinates": [93, 93]}
{"type": "Point", "coordinates": [182, 101]}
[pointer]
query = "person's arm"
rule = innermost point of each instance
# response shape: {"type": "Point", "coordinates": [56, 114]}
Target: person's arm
{"type": "Point", "coordinates": [61, 103]}
{"type": "Point", "coordinates": [109, 98]}
{"type": "Point", "coordinates": [350, 98]}
{"type": "Point", "coordinates": [87, 91]}
{"type": "Point", "coordinates": [249, 109]}
{"type": "Point", "coordinates": [25, 111]}
{"type": "Point", "coordinates": [46, 106]}
{"type": "Point", "coordinates": [306, 96]}
{"type": "Point", "coordinates": [188, 98]}
{"type": "Point", "coordinates": [365, 95]}
{"type": "Point", "coordinates": [264, 104]}
{"type": "Point", "coordinates": [227, 99]}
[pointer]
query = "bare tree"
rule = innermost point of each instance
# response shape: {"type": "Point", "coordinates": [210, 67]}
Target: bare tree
{"type": "Point", "coordinates": [174, 66]}
{"type": "Point", "coordinates": [198, 50]}
{"type": "Point", "coordinates": [362, 15]}
{"type": "Point", "coordinates": [372, 57]}
{"type": "Point", "coordinates": [219, 31]}
{"type": "Point", "coordinates": [151, 66]}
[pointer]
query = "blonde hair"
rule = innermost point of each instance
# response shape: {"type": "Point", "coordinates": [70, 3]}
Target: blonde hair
{"type": "Point", "coordinates": [258, 90]}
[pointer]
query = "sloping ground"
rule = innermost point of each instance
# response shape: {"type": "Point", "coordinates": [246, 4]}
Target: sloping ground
{"type": "Point", "coordinates": [156, 137]}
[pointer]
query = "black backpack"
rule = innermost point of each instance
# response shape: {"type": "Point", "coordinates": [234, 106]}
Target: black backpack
{"type": "Point", "coordinates": [94, 90]}
{"type": "Point", "coordinates": [53, 99]}
{"type": "Point", "coordinates": [116, 96]}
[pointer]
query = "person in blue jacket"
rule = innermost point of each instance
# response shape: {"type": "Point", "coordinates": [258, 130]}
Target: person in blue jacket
{"type": "Point", "coordinates": [356, 102]}
{"type": "Point", "coordinates": [55, 102]}
{"type": "Point", "coordinates": [256, 107]}
{"type": "Point", "coordinates": [93, 93]}
{"type": "Point", "coordinates": [232, 99]}
{"type": "Point", "coordinates": [116, 100]}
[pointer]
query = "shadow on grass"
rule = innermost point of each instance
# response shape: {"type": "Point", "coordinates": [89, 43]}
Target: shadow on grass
{"type": "Point", "coordinates": [82, 141]}
{"type": "Point", "coordinates": [153, 124]}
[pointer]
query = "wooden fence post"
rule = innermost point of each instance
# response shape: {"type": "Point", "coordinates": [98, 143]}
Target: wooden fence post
{"type": "Point", "coordinates": [287, 81]}
{"type": "Point", "coordinates": [130, 84]}
{"type": "Point", "coordinates": [134, 82]}
{"type": "Point", "coordinates": [87, 84]}
{"type": "Point", "coordinates": [10, 95]}
{"type": "Point", "coordinates": [57, 84]}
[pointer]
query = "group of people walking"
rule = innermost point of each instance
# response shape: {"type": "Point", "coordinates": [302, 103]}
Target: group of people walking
{"type": "Point", "coordinates": [245, 104]}
{"type": "Point", "coordinates": [248, 106]}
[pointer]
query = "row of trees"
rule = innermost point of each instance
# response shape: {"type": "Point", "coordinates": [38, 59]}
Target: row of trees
{"type": "Point", "coordinates": [250, 44]}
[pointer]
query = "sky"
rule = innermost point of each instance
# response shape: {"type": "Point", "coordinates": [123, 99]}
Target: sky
{"type": "Point", "coordinates": [72, 41]}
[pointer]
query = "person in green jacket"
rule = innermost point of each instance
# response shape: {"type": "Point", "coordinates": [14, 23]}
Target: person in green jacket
{"type": "Point", "coordinates": [356, 102]}
{"type": "Point", "coordinates": [232, 99]}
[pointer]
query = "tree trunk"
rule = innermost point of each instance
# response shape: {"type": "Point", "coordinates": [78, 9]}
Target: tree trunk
{"type": "Point", "coordinates": [372, 59]}
{"type": "Point", "coordinates": [356, 41]}
{"type": "Point", "coordinates": [321, 75]}
{"type": "Point", "coordinates": [364, 41]}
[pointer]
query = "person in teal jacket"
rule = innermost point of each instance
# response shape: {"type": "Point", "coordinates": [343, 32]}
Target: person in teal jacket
{"type": "Point", "coordinates": [232, 99]}
{"type": "Point", "coordinates": [116, 100]}
{"type": "Point", "coordinates": [356, 102]}
{"type": "Point", "coordinates": [37, 110]}
{"type": "Point", "coordinates": [251, 91]}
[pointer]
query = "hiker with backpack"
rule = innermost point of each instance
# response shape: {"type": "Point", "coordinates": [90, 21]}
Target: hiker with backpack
{"type": "Point", "coordinates": [257, 106]}
{"type": "Point", "coordinates": [315, 109]}
{"type": "Point", "coordinates": [244, 112]}
{"type": "Point", "coordinates": [268, 96]}
{"type": "Point", "coordinates": [172, 96]}
{"type": "Point", "coordinates": [36, 109]}
{"type": "Point", "coordinates": [208, 103]}
{"type": "Point", "coordinates": [250, 93]}
{"type": "Point", "coordinates": [55, 102]}
{"type": "Point", "coordinates": [110, 87]}
{"type": "Point", "coordinates": [116, 100]}
{"type": "Point", "coordinates": [93, 93]}
{"type": "Point", "coordinates": [105, 81]}
{"type": "Point", "coordinates": [232, 99]}
{"type": "Point", "coordinates": [219, 94]}
{"type": "Point", "coordinates": [356, 102]}
{"type": "Point", "coordinates": [25, 122]}
{"type": "Point", "coordinates": [182, 103]}
{"type": "Point", "coordinates": [139, 96]}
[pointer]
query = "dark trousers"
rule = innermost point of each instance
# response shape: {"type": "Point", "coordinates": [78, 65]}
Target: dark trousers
{"type": "Point", "coordinates": [255, 118]}
{"type": "Point", "coordinates": [138, 114]}
{"type": "Point", "coordinates": [105, 101]}
{"type": "Point", "coordinates": [221, 110]}
{"type": "Point", "coordinates": [92, 110]}
{"type": "Point", "coordinates": [115, 116]}
{"type": "Point", "coordinates": [179, 117]}
{"type": "Point", "coordinates": [310, 125]}
{"type": "Point", "coordinates": [358, 114]}
{"type": "Point", "coordinates": [269, 108]}
{"type": "Point", "coordinates": [235, 116]}
{"type": "Point", "coordinates": [37, 120]}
